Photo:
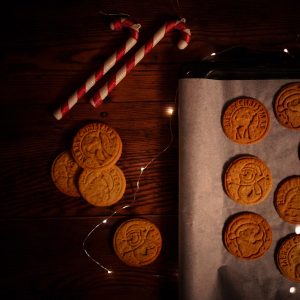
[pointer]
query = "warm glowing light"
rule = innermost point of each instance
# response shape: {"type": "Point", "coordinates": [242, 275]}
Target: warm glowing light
{"type": "Point", "coordinates": [213, 54]}
{"type": "Point", "coordinates": [125, 206]}
{"type": "Point", "coordinates": [293, 290]}
{"type": "Point", "coordinates": [285, 50]}
{"type": "Point", "coordinates": [170, 111]}
{"type": "Point", "coordinates": [297, 229]}
{"type": "Point", "coordinates": [142, 169]}
{"type": "Point", "coordinates": [104, 221]}
{"type": "Point", "coordinates": [109, 271]}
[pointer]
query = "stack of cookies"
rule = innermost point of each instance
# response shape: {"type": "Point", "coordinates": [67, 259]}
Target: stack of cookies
{"type": "Point", "coordinates": [248, 181]}
{"type": "Point", "coordinates": [89, 169]}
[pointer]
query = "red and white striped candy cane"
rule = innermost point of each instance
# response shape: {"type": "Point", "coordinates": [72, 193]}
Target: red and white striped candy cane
{"type": "Point", "coordinates": [138, 56]}
{"type": "Point", "coordinates": [105, 67]}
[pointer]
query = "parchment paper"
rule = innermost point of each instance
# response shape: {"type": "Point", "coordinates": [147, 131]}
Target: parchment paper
{"type": "Point", "coordinates": [207, 269]}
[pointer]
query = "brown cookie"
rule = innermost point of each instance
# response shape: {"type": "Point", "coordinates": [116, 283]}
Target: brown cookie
{"type": "Point", "coordinates": [247, 235]}
{"type": "Point", "coordinates": [287, 200]}
{"type": "Point", "coordinates": [64, 173]}
{"type": "Point", "coordinates": [287, 105]}
{"type": "Point", "coordinates": [288, 257]}
{"type": "Point", "coordinates": [137, 242]}
{"type": "Point", "coordinates": [247, 180]}
{"type": "Point", "coordinates": [96, 145]}
{"type": "Point", "coordinates": [102, 187]}
{"type": "Point", "coordinates": [246, 121]}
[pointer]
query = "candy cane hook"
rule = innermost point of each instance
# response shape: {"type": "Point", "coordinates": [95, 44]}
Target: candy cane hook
{"type": "Point", "coordinates": [105, 67]}
{"type": "Point", "coordinates": [138, 56]}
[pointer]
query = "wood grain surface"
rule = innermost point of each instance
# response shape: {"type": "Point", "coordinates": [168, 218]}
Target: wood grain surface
{"type": "Point", "coordinates": [48, 49]}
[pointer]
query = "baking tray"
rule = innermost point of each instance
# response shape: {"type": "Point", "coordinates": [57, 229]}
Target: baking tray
{"type": "Point", "coordinates": [207, 270]}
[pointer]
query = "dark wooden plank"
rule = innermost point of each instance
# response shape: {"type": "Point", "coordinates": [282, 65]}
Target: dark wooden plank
{"type": "Point", "coordinates": [44, 259]}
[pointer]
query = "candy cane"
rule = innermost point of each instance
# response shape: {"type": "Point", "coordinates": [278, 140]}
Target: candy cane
{"type": "Point", "coordinates": [105, 67]}
{"type": "Point", "coordinates": [138, 56]}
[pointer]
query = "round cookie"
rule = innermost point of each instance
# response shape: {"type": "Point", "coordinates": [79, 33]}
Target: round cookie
{"type": "Point", "coordinates": [247, 236]}
{"type": "Point", "coordinates": [102, 187]}
{"type": "Point", "coordinates": [287, 105]}
{"type": "Point", "coordinates": [96, 145]}
{"type": "Point", "coordinates": [137, 242]}
{"type": "Point", "coordinates": [246, 121]}
{"type": "Point", "coordinates": [288, 257]}
{"type": "Point", "coordinates": [287, 200]}
{"type": "Point", "coordinates": [247, 180]}
{"type": "Point", "coordinates": [64, 173]}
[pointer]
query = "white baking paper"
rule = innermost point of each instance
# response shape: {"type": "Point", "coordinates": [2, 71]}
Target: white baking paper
{"type": "Point", "coordinates": [207, 270]}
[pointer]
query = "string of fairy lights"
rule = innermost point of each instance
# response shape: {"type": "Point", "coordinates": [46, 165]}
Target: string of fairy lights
{"type": "Point", "coordinates": [169, 111]}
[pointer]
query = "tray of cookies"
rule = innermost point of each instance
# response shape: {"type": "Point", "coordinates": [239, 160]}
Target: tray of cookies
{"type": "Point", "coordinates": [239, 183]}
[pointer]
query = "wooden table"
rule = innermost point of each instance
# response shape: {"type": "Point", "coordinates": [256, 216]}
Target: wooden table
{"type": "Point", "coordinates": [47, 50]}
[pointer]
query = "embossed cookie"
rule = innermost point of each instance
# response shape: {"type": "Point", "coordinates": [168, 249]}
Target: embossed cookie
{"type": "Point", "coordinates": [102, 187]}
{"type": "Point", "coordinates": [287, 200]}
{"type": "Point", "coordinates": [288, 257]}
{"type": "Point", "coordinates": [96, 145]}
{"type": "Point", "coordinates": [247, 180]}
{"type": "Point", "coordinates": [64, 173]}
{"type": "Point", "coordinates": [245, 121]}
{"type": "Point", "coordinates": [287, 105]}
{"type": "Point", "coordinates": [137, 242]}
{"type": "Point", "coordinates": [247, 236]}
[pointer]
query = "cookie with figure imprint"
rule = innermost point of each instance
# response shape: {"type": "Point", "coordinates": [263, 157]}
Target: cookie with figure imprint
{"type": "Point", "coordinates": [245, 121]}
{"type": "Point", "coordinates": [287, 105]}
{"type": "Point", "coordinates": [247, 180]}
{"type": "Point", "coordinates": [287, 199]}
{"type": "Point", "coordinates": [247, 235]}
{"type": "Point", "coordinates": [288, 257]}
{"type": "Point", "coordinates": [96, 145]}
{"type": "Point", "coordinates": [137, 242]}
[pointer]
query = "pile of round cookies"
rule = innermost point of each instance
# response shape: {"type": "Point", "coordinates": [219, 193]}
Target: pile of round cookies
{"type": "Point", "coordinates": [89, 170]}
{"type": "Point", "coordinates": [248, 181]}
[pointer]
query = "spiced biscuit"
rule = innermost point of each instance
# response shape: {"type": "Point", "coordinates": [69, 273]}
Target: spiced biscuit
{"type": "Point", "coordinates": [96, 145]}
{"type": "Point", "coordinates": [64, 173]}
{"type": "Point", "coordinates": [287, 200]}
{"type": "Point", "coordinates": [247, 180]}
{"type": "Point", "coordinates": [287, 105]}
{"type": "Point", "coordinates": [247, 235]}
{"type": "Point", "coordinates": [103, 186]}
{"type": "Point", "coordinates": [246, 121]}
{"type": "Point", "coordinates": [137, 242]}
{"type": "Point", "coordinates": [288, 257]}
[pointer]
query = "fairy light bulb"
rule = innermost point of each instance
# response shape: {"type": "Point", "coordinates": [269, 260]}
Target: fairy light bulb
{"type": "Point", "coordinates": [109, 271]}
{"type": "Point", "coordinates": [213, 54]}
{"type": "Point", "coordinates": [169, 111]}
{"type": "Point", "coordinates": [285, 50]}
{"type": "Point", "coordinates": [297, 229]}
{"type": "Point", "coordinates": [104, 221]}
{"type": "Point", "coordinates": [293, 290]}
